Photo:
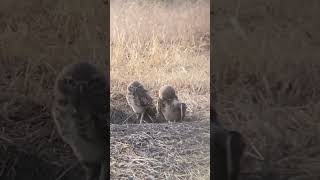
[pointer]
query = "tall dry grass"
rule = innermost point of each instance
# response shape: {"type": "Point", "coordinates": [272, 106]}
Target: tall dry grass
{"type": "Point", "coordinates": [268, 68]}
{"type": "Point", "coordinates": [159, 43]}
{"type": "Point", "coordinates": [37, 39]}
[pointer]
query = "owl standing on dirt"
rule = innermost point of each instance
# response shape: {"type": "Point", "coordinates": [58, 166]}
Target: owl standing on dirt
{"type": "Point", "coordinates": [169, 107]}
{"type": "Point", "coordinates": [139, 100]}
{"type": "Point", "coordinates": [80, 115]}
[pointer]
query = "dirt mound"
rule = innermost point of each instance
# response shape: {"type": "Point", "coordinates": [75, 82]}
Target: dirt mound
{"type": "Point", "coordinates": [19, 165]}
{"type": "Point", "coordinates": [177, 150]}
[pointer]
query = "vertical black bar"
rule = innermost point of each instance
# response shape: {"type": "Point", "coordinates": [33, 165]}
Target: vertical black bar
{"type": "Point", "coordinates": [225, 145]}
{"type": "Point", "coordinates": [214, 159]}
{"type": "Point", "coordinates": [213, 71]}
{"type": "Point", "coordinates": [211, 88]}
{"type": "Point", "coordinates": [107, 3]}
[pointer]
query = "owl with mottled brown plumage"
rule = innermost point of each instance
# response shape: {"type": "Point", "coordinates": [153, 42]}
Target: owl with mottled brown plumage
{"type": "Point", "coordinates": [140, 101]}
{"type": "Point", "coordinates": [80, 114]}
{"type": "Point", "coordinates": [169, 107]}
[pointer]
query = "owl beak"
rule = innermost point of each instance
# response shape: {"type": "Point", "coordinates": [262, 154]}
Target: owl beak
{"type": "Point", "coordinates": [80, 88]}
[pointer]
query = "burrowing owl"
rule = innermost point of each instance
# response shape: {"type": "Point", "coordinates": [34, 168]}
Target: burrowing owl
{"type": "Point", "coordinates": [140, 101]}
{"type": "Point", "coordinates": [169, 107]}
{"type": "Point", "coordinates": [80, 115]}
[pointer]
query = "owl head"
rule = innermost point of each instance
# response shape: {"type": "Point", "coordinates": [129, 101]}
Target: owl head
{"type": "Point", "coordinates": [167, 93]}
{"type": "Point", "coordinates": [135, 86]}
{"type": "Point", "coordinates": [81, 79]}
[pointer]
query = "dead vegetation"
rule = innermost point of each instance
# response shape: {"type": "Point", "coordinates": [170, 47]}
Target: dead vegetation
{"type": "Point", "coordinates": [154, 43]}
{"type": "Point", "coordinates": [267, 62]}
{"type": "Point", "coordinates": [268, 84]}
{"type": "Point", "coordinates": [163, 151]}
{"type": "Point", "coordinates": [148, 48]}
{"type": "Point", "coordinates": [37, 41]}
{"type": "Point", "coordinates": [37, 38]}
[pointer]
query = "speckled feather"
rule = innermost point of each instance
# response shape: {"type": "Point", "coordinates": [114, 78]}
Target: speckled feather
{"type": "Point", "coordinates": [80, 114]}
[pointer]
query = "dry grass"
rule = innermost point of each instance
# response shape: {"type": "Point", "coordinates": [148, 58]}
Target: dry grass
{"type": "Point", "coordinates": [36, 41]}
{"type": "Point", "coordinates": [162, 151]}
{"type": "Point", "coordinates": [268, 67]}
{"type": "Point", "coordinates": [147, 47]}
{"type": "Point", "coordinates": [155, 43]}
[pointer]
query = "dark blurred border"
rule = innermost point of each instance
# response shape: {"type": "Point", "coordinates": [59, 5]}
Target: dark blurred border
{"type": "Point", "coordinates": [37, 39]}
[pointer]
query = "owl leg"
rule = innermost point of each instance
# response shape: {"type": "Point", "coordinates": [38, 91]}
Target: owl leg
{"type": "Point", "coordinates": [141, 118]}
{"type": "Point", "coordinates": [152, 120]}
{"type": "Point", "coordinates": [138, 115]}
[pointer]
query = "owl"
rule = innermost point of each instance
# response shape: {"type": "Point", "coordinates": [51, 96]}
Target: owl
{"type": "Point", "coordinates": [169, 107]}
{"type": "Point", "coordinates": [140, 101]}
{"type": "Point", "coordinates": [80, 115]}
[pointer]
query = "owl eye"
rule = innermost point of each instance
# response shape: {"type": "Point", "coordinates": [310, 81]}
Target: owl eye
{"type": "Point", "coordinates": [70, 82]}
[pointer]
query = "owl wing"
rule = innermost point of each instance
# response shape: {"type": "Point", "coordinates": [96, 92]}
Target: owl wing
{"type": "Point", "coordinates": [102, 125]}
{"type": "Point", "coordinates": [183, 108]}
{"type": "Point", "coordinates": [159, 106]}
{"type": "Point", "coordinates": [101, 117]}
{"type": "Point", "coordinates": [159, 109]}
{"type": "Point", "coordinates": [99, 111]}
{"type": "Point", "coordinates": [129, 99]}
{"type": "Point", "coordinates": [93, 127]}
{"type": "Point", "coordinates": [145, 100]}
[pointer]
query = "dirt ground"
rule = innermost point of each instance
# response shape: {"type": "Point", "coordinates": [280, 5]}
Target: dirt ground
{"type": "Point", "coordinates": [146, 47]}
